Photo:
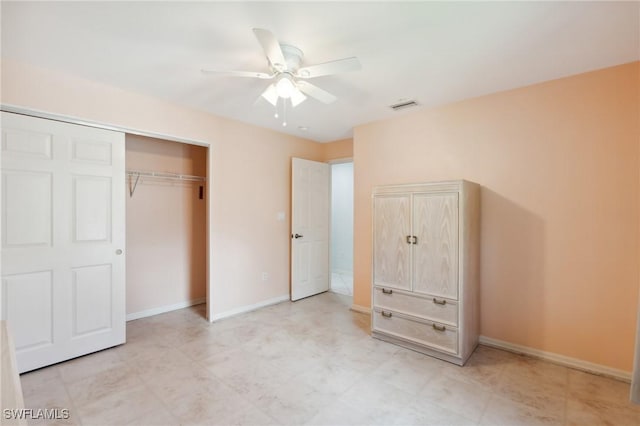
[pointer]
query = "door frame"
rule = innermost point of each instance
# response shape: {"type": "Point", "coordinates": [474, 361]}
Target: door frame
{"type": "Point", "coordinates": [330, 213]}
{"type": "Point", "coordinates": [209, 193]}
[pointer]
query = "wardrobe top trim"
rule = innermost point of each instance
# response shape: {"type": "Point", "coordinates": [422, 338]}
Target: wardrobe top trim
{"type": "Point", "coordinates": [446, 186]}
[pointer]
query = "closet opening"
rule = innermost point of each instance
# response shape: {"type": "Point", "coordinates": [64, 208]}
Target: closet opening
{"type": "Point", "coordinates": [166, 231]}
{"type": "Point", "coordinates": [341, 246]}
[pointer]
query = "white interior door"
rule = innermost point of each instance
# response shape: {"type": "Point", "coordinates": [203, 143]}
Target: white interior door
{"type": "Point", "coordinates": [63, 233]}
{"type": "Point", "coordinates": [309, 228]}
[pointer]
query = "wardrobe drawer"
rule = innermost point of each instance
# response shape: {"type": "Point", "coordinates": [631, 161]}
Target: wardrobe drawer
{"type": "Point", "coordinates": [436, 309]}
{"type": "Point", "coordinates": [437, 336]}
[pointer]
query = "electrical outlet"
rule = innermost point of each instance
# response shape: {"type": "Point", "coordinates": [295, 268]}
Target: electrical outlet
{"type": "Point", "coordinates": [265, 276]}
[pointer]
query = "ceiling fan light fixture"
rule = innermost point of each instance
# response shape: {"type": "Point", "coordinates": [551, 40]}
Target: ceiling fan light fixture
{"type": "Point", "coordinates": [285, 87]}
{"type": "Point", "coordinates": [271, 95]}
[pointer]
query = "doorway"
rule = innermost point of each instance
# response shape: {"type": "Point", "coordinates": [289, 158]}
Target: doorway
{"type": "Point", "coordinates": [166, 226]}
{"type": "Point", "coordinates": [341, 247]}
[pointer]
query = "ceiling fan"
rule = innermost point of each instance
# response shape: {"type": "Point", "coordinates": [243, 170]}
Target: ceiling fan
{"type": "Point", "coordinates": [290, 79]}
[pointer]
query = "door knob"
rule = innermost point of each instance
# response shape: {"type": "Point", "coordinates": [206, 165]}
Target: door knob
{"type": "Point", "coordinates": [296, 236]}
{"type": "Point", "coordinates": [118, 252]}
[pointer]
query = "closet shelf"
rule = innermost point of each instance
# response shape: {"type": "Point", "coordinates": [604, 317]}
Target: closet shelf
{"type": "Point", "coordinates": [137, 174]}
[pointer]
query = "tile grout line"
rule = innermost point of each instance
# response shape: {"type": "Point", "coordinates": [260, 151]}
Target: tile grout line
{"type": "Point", "coordinates": [73, 403]}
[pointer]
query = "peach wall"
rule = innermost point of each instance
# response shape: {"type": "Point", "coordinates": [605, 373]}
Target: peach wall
{"type": "Point", "coordinates": [558, 164]}
{"type": "Point", "coordinates": [249, 170]}
{"type": "Point", "coordinates": [166, 226]}
{"type": "Point", "coordinates": [253, 187]}
{"type": "Point", "coordinates": [338, 149]}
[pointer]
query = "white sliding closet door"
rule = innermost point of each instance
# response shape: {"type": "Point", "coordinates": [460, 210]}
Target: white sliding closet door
{"type": "Point", "coordinates": [63, 235]}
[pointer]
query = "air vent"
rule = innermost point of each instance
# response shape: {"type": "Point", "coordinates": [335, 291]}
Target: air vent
{"type": "Point", "coordinates": [403, 105]}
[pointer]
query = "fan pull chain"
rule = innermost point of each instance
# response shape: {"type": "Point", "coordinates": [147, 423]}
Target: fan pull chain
{"type": "Point", "coordinates": [284, 113]}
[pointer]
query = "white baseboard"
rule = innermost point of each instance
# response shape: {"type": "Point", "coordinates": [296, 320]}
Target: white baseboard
{"type": "Point", "coordinates": [163, 309]}
{"type": "Point", "coordinates": [249, 308]}
{"type": "Point", "coordinates": [361, 309]}
{"type": "Point", "coordinates": [578, 364]}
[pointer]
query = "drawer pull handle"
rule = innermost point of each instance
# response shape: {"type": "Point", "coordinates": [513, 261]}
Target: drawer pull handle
{"type": "Point", "coordinates": [385, 291]}
{"type": "Point", "coordinates": [386, 314]}
{"type": "Point", "coordinates": [439, 302]}
{"type": "Point", "coordinates": [439, 327]}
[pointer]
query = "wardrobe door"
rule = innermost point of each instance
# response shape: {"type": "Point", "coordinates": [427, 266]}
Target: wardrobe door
{"type": "Point", "coordinates": [435, 261]}
{"type": "Point", "coordinates": [391, 246]}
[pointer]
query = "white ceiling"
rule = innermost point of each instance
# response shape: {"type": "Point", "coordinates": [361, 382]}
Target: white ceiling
{"type": "Point", "coordinates": [433, 52]}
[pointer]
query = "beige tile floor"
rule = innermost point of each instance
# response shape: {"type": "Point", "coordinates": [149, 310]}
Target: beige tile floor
{"type": "Point", "coordinates": [311, 362]}
{"type": "Point", "coordinates": [342, 283]}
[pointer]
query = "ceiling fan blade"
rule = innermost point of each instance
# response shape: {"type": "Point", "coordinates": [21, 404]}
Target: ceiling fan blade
{"type": "Point", "coordinates": [327, 68]}
{"type": "Point", "coordinates": [253, 74]}
{"type": "Point", "coordinates": [271, 95]}
{"type": "Point", "coordinates": [316, 92]}
{"type": "Point", "coordinates": [297, 97]}
{"type": "Point", "coordinates": [271, 48]}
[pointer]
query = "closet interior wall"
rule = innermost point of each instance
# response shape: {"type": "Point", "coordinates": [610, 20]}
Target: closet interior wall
{"type": "Point", "coordinates": [166, 228]}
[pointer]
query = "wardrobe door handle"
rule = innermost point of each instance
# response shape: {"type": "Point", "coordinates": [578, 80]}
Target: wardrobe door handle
{"type": "Point", "coordinates": [439, 327]}
{"type": "Point", "coordinates": [439, 302]}
{"type": "Point", "coordinates": [408, 239]}
{"type": "Point", "coordinates": [385, 291]}
{"type": "Point", "coordinates": [415, 240]}
{"type": "Point", "coordinates": [386, 314]}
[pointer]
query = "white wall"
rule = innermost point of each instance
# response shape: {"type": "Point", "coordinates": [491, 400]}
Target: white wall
{"type": "Point", "coordinates": [342, 217]}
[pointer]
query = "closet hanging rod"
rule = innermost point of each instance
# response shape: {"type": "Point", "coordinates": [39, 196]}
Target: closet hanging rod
{"type": "Point", "coordinates": [158, 175]}
{"type": "Point", "coordinates": [166, 175]}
